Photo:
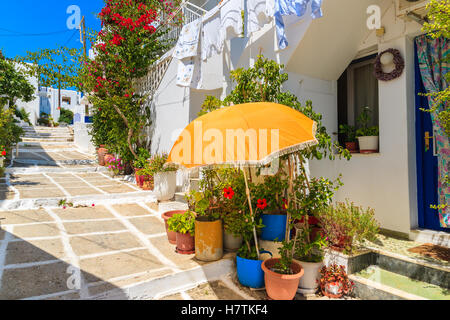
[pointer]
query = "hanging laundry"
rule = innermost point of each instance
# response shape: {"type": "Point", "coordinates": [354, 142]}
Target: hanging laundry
{"type": "Point", "coordinates": [231, 19]}
{"type": "Point", "coordinates": [190, 72]}
{"type": "Point", "coordinates": [187, 45]}
{"type": "Point", "coordinates": [258, 16]}
{"type": "Point", "coordinates": [212, 40]}
{"type": "Point", "coordinates": [293, 7]}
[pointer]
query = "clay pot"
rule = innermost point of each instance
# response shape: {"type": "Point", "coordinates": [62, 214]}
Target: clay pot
{"type": "Point", "coordinates": [185, 243]}
{"type": "Point", "coordinates": [101, 151]}
{"type": "Point", "coordinates": [208, 239]}
{"type": "Point", "coordinates": [281, 286]}
{"type": "Point", "coordinates": [352, 147]}
{"type": "Point", "coordinates": [139, 179]}
{"type": "Point", "coordinates": [171, 235]}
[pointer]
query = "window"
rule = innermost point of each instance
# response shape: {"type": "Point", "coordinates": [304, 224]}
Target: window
{"type": "Point", "coordinates": [357, 89]}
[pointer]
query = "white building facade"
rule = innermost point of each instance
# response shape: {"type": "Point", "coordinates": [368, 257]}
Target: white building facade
{"type": "Point", "coordinates": [322, 54]}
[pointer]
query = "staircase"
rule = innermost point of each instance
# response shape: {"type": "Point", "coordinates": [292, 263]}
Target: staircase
{"type": "Point", "coordinates": [40, 134]}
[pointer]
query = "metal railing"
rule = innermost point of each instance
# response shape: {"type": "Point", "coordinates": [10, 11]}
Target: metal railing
{"type": "Point", "coordinates": [150, 83]}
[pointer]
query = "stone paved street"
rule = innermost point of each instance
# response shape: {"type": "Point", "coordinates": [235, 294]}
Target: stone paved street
{"type": "Point", "coordinates": [111, 245]}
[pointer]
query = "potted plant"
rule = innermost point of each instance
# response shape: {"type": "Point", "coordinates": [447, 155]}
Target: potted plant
{"type": "Point", "coordinates": [282, 275]}
{"type": "Point", "coordinates": [270, 198]}
{"type": "Point", "coordinates": [309, 252]}
{"type": "Point", "coordinates": [164, 175]}
{"type": "Point", "coordinates": [334, 281]}
{"type": "Point", "coordinates": [184, 226]}
{"type": "Point", "coordinates": [367, 135]}
{"type": "Point", "coordinates": [171, 235]}
{"type": "Point", "coordinates": [349, 132]}
{"type": "Point", "coordinates": [345, 224]}
{"type": "Point", "coordinates": [145, 176]}
{"type": "Point", "coordinates": [208, 204]}
{"type": "Point", "coordinates": [139, 164]}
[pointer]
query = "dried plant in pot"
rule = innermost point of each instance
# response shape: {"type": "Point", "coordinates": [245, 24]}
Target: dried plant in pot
{"type": "Point", "coordinates": [346, 224]}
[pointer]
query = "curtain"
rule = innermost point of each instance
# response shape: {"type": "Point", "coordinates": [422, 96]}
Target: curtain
{"type": "Point", "coordinates": [433, 55]}
{"type": "Point", "coordinates": [366, 92]}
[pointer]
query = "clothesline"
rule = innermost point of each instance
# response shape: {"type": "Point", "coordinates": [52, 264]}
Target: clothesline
{"type": "Point", "coordinates": [203, 38]}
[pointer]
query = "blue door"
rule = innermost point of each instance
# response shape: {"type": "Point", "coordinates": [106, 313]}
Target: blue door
{"type": "Point", "coordinates": [427, 165]}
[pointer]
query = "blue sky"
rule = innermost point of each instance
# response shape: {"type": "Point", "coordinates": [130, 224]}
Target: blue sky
{"type": "Point", "coordinates": [21, 17]}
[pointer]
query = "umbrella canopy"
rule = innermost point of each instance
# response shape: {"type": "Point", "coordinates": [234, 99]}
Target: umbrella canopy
{"type": "Point", "coordinates": [245, 134]}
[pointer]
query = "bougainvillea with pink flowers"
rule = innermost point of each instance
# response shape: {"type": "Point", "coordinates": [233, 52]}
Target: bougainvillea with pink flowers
{"type": "Point", "coordinates": [129, 42]}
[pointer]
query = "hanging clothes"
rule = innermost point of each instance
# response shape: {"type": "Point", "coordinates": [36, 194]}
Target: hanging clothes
{"type": "Point", "coordinates": [190, 72]}
{"type": "Point", "coordinates": [212, 39]}
{"type": "Point", "coordinates": [187, 45]}
{"type": "Point", "coordinates": [187, 50]}
{"type": "Point", "coordinates": [231, 23]}
{"type": "Point", "coordinates": [293, 7]}
{"type": "Point", "coordinates": [259, 13]}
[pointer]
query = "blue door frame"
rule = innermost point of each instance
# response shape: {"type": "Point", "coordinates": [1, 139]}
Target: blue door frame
{"type": "Point", "coordinates": [427, 164]}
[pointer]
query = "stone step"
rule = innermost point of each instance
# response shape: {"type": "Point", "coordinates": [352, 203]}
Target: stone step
{"type": "Point", "coordinates": [180, 197]}
{"type": "Point", "coordinates": [25, 139]}
{"type": "Point", "coordinates": [88, 200]}
{"type": "Point", "coordinates": [376, 283]}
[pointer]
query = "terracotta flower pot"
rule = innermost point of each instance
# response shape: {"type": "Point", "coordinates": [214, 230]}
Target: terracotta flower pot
{"type": "Point", "coordinates": [352, 147]}
{"type": "Point", "coordinates": [139, 179]}
{"type": "Point", "coordinates": [171, 235]}
{"type": "Point", "coordinates": [281, 286]}
{"type": "Point", "coordinates": [185, 243]}
{"type": "Point", "coordinates": [208, 239]}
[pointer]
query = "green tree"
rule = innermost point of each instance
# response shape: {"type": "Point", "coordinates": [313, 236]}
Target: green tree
{"type": "Point", "coordinates": [128, 44]}
{"type": "Point", "coordinates": [13, 84]}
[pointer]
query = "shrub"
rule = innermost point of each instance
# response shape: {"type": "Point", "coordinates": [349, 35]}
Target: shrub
{"type": "Point", "coordinates": [65, 116]}
{"type": "Point", "coordinates": [43, 121]}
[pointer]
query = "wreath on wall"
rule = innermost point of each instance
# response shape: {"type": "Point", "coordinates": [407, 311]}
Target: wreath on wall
{"type": "Point", "coordinates": [398, 62]}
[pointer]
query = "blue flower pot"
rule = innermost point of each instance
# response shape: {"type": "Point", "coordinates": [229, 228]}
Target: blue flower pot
{"type": "Point", "coordinates": [275, 227]}
{"type": "Point", "coordinates": [249, 272]}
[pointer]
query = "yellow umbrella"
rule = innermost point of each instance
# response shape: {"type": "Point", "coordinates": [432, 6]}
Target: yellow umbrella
{"type": "Point", "coordinates": [245, 134]}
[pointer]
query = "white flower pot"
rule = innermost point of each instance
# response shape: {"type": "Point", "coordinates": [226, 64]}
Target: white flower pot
{"type": "Point", "coordinates": [165, 185]}
{"type": "Point", "coordinates": [368, 144]}
{"type": "Point", "coordinates": [308, 283]}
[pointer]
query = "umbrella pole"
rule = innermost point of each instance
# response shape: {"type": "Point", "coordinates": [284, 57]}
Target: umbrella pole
{"type": "Point", "coordinates": [247, 190]}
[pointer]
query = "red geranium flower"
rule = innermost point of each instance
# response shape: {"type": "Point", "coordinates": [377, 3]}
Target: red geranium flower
{"type": "Point", "coordinates": [4, 153]}
{"type": "Point", "coordinates": [228, 193]}
{"type": "Point", "coordinates": [262, 204]}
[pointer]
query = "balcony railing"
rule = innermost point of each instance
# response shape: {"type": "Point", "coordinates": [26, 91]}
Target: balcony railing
{"type": "Point", "coordinates": [150, 83]}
